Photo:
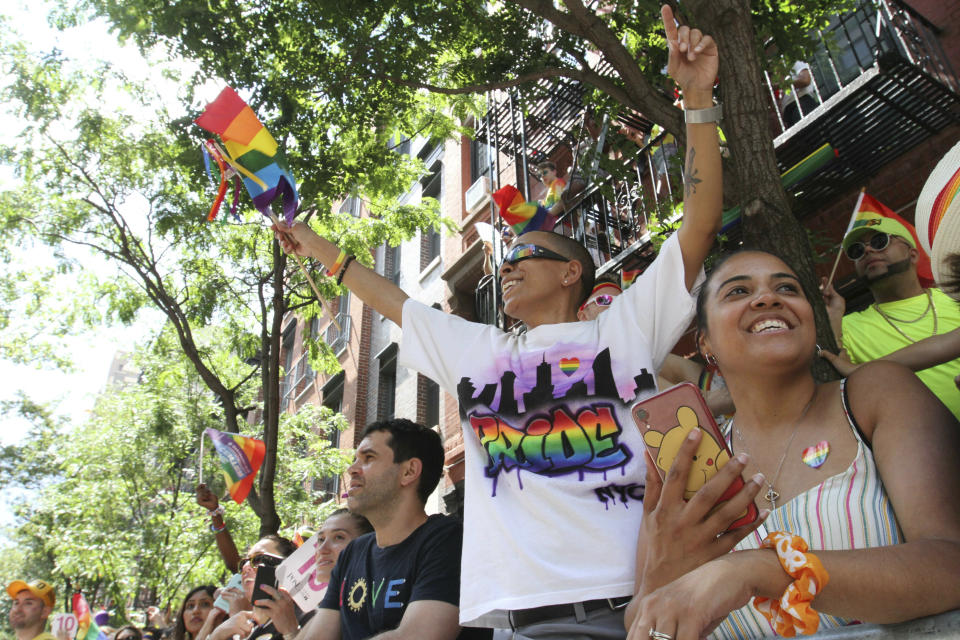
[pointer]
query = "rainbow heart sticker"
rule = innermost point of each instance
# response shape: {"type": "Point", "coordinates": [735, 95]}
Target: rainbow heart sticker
{"type": "Point", "coordinates": [569, 365]}
{"type": "Point", "coordinates": [816, 455]}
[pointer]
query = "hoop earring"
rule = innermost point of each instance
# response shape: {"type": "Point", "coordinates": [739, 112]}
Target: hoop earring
{"type": "Point", "coordinates": [712, 360]}
{"type": "Point", "coordinates": [819, 351]}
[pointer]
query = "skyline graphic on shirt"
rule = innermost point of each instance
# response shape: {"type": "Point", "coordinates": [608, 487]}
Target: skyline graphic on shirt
{"type": "Point", "coordinates": [552, 429]}
{"type": "Point", "coordinates": [514, 394]}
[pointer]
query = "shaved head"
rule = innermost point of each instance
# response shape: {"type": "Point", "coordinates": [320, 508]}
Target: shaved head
{"type": "Point", "coordinates": [569, 248]}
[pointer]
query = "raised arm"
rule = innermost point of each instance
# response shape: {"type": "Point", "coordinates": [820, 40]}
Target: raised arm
{"type": "Point", "coordinates": [228, 549]}
{"type": "Point", "coordinates": [368, 285]}
{"type": "Point", "coordinates": [693, 65]}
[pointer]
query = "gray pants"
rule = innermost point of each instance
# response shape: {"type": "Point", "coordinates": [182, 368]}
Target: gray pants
{"type": "Point", "coordinates": [603, 624]}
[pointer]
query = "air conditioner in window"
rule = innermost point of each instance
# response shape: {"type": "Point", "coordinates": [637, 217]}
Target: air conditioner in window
{"type": "Point", "coordinates": [477, 194]}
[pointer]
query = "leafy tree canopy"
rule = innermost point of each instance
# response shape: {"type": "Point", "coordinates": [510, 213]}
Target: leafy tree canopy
{"type": "Point", "coordinates": [113, 511]}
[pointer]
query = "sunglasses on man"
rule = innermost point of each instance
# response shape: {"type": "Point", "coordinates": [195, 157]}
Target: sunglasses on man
{"type": "Point", "coordinates": [521, 252]}
{"type": "Point", "coordinates": [601, 301]}
{"type": "Point", "coordinates": [258, 560]}
{"type": "Point", "coordinates": [878, 242]}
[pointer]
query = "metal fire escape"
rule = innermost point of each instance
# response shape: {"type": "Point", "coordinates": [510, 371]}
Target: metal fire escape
{"type": "Point", "coordinates": [882, 85]}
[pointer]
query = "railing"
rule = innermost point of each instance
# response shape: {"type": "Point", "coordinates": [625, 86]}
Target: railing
{"type": "Point", "coordinates": [338, 339]}
{"type": "Point", "coordinates": [295, 381]}
{"type": "Point", "coordinates": [638, 186]}
{"type": "Point", "coordinates": [939, 627]}
{"type": "Point", "coordinates": [855, 41]}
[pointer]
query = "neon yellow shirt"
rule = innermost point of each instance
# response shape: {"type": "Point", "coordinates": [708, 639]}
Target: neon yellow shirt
{"type": "Point", "coordinates": [46, 635]}
{"type": "Point", "coordinates": [868, 336]}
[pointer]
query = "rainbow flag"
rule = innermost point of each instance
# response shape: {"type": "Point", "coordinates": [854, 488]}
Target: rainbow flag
{"type": "Point", "coordinates": [87, 628]}
{"type": "Point", "coordinates": [627, 276]}
{"type": "Point", "coordinates": [868, 208]}
{"type": "Point", "coordinates": [554, 193]}
{"type": "Point", "coordinates": [252, 152]}
{"type": "Point", "coordinates": [240, 459]}
{"type": "Point", "coordinates": [522, 216]}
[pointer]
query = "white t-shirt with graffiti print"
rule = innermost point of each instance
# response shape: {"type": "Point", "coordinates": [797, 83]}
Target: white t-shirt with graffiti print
{"type": "Point", "coordinates": [554, 465]}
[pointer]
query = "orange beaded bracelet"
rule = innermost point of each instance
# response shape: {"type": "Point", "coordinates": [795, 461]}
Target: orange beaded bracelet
{"type": "Point", "coordinates": [792, 613]}
{"type": "Point", "coordinates": [332, 271]}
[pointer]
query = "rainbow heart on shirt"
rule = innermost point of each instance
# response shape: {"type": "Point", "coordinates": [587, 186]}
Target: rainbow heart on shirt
{"type": "Point", "coordinates": [817, 454]}
{"type": "Point", "coordinates": [569, 365]}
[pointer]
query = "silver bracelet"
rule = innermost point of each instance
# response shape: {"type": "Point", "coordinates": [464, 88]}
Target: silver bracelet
{"type": "Point", "coordinates": [701, 116]}
{"type": "Point", "coordinates": [215, 512]}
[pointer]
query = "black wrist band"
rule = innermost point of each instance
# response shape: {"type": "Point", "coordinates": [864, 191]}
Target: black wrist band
{"type": "Point", "coordinates": [343, 269]}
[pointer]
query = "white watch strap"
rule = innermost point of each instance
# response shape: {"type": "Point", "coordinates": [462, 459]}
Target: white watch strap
{"type": "Point", "coordinates": [699, 116]}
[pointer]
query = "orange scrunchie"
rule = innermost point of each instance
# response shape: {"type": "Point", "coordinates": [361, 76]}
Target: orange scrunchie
{"type": "Point", "coordinates": [792, 614]}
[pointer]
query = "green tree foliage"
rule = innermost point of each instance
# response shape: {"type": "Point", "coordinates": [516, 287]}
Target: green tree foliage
{"type": "Point", "coordinates": [112, 510]}
{"type": "Point", "coordinates": [106, 168]}
{"type": "Point", "coordinates": [344, 76]}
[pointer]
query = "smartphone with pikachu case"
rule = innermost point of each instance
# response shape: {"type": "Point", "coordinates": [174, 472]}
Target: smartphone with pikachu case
{"type": "Point", "coordinates": [666, 419]}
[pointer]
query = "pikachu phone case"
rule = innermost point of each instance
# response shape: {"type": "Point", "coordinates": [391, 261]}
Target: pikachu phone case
{"type": "Point", "coordinates": [665, 420]}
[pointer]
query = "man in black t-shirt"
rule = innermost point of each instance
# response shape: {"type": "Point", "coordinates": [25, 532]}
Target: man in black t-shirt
{"type": "Point", "coordinates": [402, 580]}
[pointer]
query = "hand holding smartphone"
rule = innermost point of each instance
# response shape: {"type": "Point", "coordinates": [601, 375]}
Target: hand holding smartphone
{"type": "Point", "coordinates": [666, 419]}
{"type": "Point", "coordinates": [221, 603]}
{"type": "Point", "coordinates": [266, 575]}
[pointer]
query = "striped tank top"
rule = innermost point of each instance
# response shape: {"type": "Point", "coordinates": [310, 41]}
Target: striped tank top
{"type": "Point", "coordinates": [850, 510]}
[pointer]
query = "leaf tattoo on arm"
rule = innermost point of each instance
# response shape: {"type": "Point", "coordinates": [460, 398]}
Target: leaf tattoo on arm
{"type": "Point", "coordinates": [690, 179]}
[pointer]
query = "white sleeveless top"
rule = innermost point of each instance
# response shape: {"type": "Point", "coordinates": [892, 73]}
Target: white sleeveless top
{"type": "Point", "coordinates": [850, 510]}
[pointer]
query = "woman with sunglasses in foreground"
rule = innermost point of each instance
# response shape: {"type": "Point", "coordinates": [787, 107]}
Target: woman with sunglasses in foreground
{"type": "Point", "coordinates": [249, 620]}
{"type": "Point", "coordinates": [858, 479]}
{"type": "Point", "coordinates": [336, 532]}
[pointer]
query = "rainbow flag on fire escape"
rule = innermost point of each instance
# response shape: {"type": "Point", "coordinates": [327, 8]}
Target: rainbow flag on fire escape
{"type": "Point", "coordinates": [522, 216]}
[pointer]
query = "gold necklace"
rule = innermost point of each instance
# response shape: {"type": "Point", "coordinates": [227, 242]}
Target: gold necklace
{"type": "Point", "coordinates": [930, 305]}
{"type": "Point", "coordinates": [772, 495]}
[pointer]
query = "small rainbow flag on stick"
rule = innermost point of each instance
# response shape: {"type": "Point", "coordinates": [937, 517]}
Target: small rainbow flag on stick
{"type": "Point", "coordinates": [251, 152]}
{"type": "Point", "coordinates": [87, 628]}
{"type": "Point", "coordinates": [240, 459]}
{"type": "Point", "coordinates": [522, 216]}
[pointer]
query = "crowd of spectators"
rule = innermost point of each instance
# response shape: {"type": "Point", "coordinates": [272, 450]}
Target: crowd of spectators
{"type": "Point", "coordinates": [855, 479]}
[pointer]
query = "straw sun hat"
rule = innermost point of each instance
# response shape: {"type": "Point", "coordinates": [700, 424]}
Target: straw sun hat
{"type": "Point", "coordinates": [938, 212]}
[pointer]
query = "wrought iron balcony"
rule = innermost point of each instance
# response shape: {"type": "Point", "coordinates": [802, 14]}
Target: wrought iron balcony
{"type": "Point", "coordinates": [882, 86]}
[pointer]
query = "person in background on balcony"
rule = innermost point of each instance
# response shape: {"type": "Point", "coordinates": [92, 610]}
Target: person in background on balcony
{"type": "Point", "coordinates": [803, 90]}
{"type": "Point", "coordinates": [861, 471]}
{"type": "Point", "coordinates": [553, 183]}
{"type": "Point", "coordinates": [554, 465]}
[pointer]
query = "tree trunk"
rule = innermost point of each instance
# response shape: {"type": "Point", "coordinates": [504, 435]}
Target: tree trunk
{"type": "Point", "coordinates": [767, 221]}
{"type": "Point", "coordinates": [269, 520]}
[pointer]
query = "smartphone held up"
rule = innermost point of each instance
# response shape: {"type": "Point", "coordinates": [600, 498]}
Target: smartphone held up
{"type": "Point", "coordinates": [666, 419]}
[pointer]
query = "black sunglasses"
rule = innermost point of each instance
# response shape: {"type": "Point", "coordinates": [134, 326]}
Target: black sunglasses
{"type": "Point", "coordinates": [260, 560]}
{"type": "Point", "coordinates": [521, 252]}
{"type": "Point", "coordinates": [858, 249]}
